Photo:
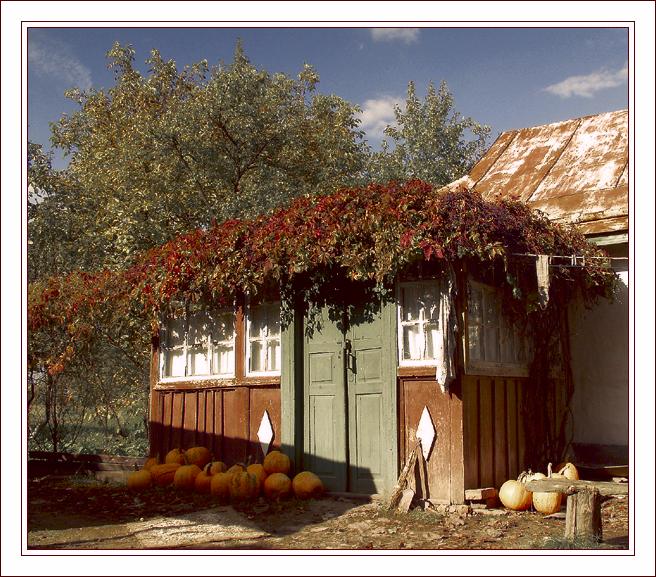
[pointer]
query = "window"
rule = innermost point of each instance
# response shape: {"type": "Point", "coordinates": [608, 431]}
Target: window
{"type": "Point", "coordinates": [419, 331]}
{"type": "Point", "coordinates": [221, 344]}
{"type": "Point", "coordinates": [494, 344]}
{"type": "Point", "coordinates": [263, 339]}
{"type": "Point", "coordinates": [173, 348]}
{"type": "Point", "coordinates": [199, 344]}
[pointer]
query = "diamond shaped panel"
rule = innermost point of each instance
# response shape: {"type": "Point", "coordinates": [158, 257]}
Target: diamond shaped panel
{"type": "Point", "coordinates": [426, 432]}
{"type": "Point", "coordinates": [265, 433]}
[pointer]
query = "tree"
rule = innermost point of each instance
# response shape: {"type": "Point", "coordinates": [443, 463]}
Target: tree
{"type": "Point", "coordinates": [154, 156]}
{"type": "Point", "coordinates": [52, 219]}
{"type": "Point", "coordinates": [429, 141]}
{"type": "Point", "coordinates": [160, 154]}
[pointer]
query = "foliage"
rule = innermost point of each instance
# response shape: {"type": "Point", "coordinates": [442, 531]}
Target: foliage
{"type": "Point", "coordinates": [156, 155]}
{"type": "Point", "coordinates": [51, 229]}
{"type": "Point", "coordinates": [72, 415]}
{"type": "Point", "coordinates": [363, 235]}
{"type": "Point", "coordinates": [430, 140]}
{"type": "Point", "coordinates": [163, 153]}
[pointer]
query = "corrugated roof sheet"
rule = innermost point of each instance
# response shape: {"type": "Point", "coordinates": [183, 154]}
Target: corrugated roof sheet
{"type": "Point", "coordinates": [575, 171]}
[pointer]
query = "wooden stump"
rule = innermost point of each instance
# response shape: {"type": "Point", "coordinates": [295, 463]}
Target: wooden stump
{"type": "Point", "coordinates": [583, 519]}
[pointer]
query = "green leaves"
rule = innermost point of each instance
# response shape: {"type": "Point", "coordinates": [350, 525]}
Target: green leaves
{"type": "Point", "coordinates": [162, 153]}
{"type": "Point", "coordinates": [430, 141]}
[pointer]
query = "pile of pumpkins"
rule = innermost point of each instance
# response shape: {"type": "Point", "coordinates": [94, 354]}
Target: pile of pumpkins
{"type": "Point", "coordinates": [194, 470]}
{"type": "Point", "coordinates": [515, 496]}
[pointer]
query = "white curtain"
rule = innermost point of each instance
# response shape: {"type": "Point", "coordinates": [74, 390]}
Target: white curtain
{"type": "Point", "coordinates": [445, 345]}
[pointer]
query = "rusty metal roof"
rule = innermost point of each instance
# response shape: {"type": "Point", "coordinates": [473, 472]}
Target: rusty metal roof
{"type": "Point", "coordinates": [575, 171]}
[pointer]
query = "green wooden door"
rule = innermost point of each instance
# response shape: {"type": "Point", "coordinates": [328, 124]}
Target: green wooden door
{"type": "Point", "coordinates": [370, 383]}
{"type": "Point", "coordinates": [350, 395]}
{"type": "Point", "coordinates": [324, 406]}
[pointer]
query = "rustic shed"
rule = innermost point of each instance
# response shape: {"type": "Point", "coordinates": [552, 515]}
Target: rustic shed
{"type": "Point", "coordinates": [349, 398]}
{"type": "Point", "coordinates": [346, 390]}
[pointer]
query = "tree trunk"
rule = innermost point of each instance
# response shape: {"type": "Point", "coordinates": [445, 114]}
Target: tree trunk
{"type": "Point", "coordinates": [583, 520]}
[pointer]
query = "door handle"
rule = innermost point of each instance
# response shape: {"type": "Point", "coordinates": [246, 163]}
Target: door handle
{"type": "Point", "coordinates": [349, 356]}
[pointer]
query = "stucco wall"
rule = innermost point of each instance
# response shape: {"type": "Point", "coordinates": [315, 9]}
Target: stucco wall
{"type": "Point", "coordinates": [600, 364]}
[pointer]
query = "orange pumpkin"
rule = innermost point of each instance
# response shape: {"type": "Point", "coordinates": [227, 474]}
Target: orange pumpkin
{"type": "Point", "coordinates": [185, 476]}
{"type": "Point", "coordinates": [569, 471]}
{"type": "Point", "coordinates": [515, 496]}
{"type": "Point", "coordinates": [217, 467]}
{"type": "Point", "coordinates": [175, 456]}
{"type": "Point", "coordinates": [531, 477]}
{"type": "Point", "coordinates": [307, 485]}
{"type": "Point", "coordinates": [277, 486]}
{"type": "Point", "coordinates": [198, 456]}
{"type": "Point", "coordinates": [545, 502]}
{"type": "Point", "coordinates": [162, 475]}
{"type": "Point", "coordinates": [244, 486]}
{"type": "Point", "coordinates": [150, 462]}
{"type": "Point", "coordinates": [276, 462]}
{"type": "Point", "coordinates": [258, 470]}
{"type": "Point", "coordinates": [203, 481]}
{"type": "Point", "coordinates": [237, 468]}
{"type": "Point", "coordinates": [220, 486]}
{"type": "Point", "coordinates": [139, 480]}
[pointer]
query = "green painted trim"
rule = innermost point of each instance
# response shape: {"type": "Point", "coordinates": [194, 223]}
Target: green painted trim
{"type": "Point", "coordinates": [287, 389]}
{"type": "Point", "coordinates": [609, 239]}
{"type": "Point", "coordinates": [299, 375]}
{"type": "Point", "coordinates": [390, 315]}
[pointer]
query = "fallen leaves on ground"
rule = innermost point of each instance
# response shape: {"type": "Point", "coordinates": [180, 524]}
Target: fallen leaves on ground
{"type": "Point", "coordinates": [85, 513]}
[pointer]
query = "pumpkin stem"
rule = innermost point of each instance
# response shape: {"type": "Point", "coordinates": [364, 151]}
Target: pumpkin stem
{"type": "Point", "coordinates": [184, 454]}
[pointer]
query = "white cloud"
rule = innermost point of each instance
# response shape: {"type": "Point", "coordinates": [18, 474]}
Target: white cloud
{"type": "Point", "coordinates": [56, 60]}
{"type": "Point", "coordinates": [377, 114]}
{"type": "Point", "coordinates": [405, 35]}
{"type": "Point", "coordinates": [587, 86]}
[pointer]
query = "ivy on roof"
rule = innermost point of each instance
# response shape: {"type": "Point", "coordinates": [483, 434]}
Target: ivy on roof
{"type": "Point", "coordinates": [367, 234]}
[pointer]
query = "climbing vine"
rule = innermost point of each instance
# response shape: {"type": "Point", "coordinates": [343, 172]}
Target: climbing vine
{"type": "Point", "coordinates": [357, 236]}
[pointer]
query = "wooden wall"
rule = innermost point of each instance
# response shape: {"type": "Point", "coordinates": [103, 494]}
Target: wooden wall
{"type": "Point", "coordinates": [225, 420]}
{"type": "Point", "coordinates": [445, 462]}
{"type": "Point", "coordinates": [494, 443]}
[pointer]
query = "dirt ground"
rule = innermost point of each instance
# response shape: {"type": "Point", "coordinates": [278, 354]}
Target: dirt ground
{"type": "Point", "coordinates": [83, 513]}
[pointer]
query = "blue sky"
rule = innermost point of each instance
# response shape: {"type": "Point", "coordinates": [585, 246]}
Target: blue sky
{"type": "Point", "coordinates": [504, 77]}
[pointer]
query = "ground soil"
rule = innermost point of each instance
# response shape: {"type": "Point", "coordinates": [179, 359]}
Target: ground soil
{"type": "Point", "coordinates": [83, 513]}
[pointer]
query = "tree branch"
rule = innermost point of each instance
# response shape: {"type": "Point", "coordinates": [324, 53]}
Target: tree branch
{"type": "Point", "coordinates": [181, 156]}
{"type": "Point", "coordinates": [116, 345]}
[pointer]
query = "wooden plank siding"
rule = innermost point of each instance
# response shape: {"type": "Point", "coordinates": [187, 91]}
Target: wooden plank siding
{"type": "Point", "coordinates": [486, 432]}
{"type": "Point", "coordinates": [445, 462]}
{"type": "Point", "coordinates": [261, 400]}
{"type": "Point", "coordinates": [511, 425]}
{"type": "Point", "coordinates": [236, 417]}
{"type": "Point", "coordinates": [225, 420]}
{"type": "Point", "coordinates": [492, 430]}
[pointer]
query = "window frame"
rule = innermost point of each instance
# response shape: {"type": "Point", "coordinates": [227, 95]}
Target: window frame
{"type": "Point", "coordinates": [400, 322]}
{"type": "Point", "coordinates": [163, 349]}
{"type": "Point", "coordinates": [248, 305]}
{"type": "Point", "coordinates": [488, 367]}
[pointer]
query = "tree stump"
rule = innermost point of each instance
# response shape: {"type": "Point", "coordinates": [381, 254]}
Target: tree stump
{"type": "Point", "coordinates": [583, 519]}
